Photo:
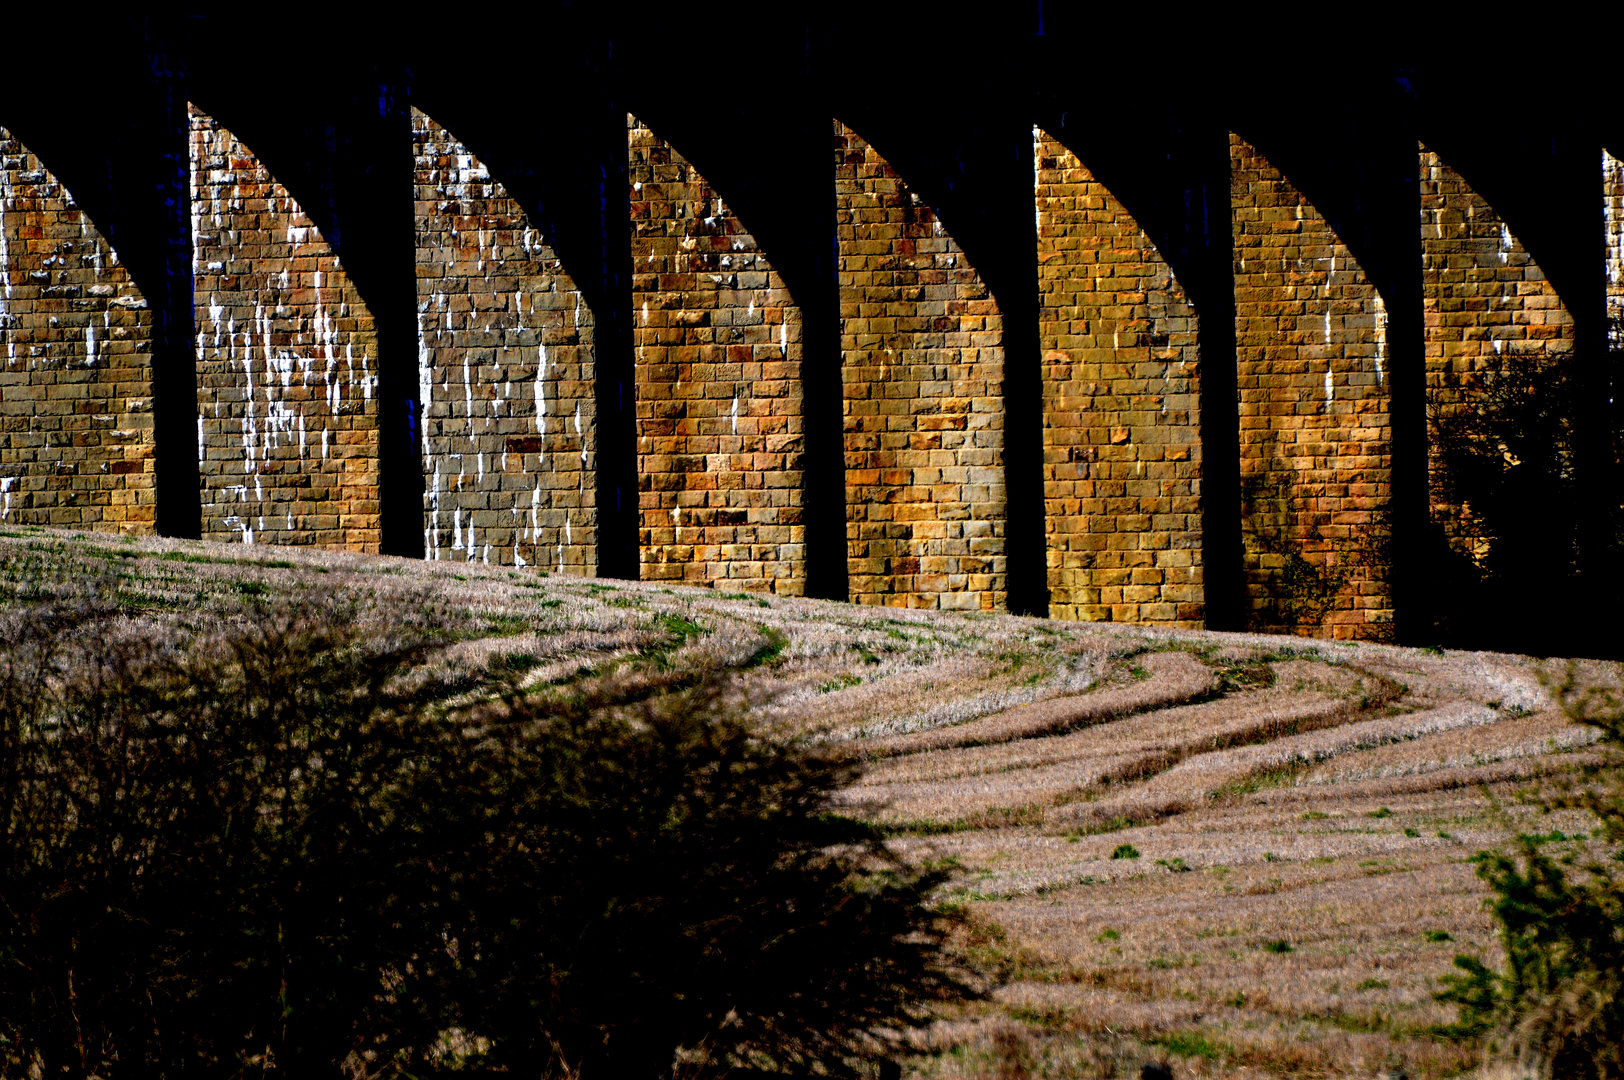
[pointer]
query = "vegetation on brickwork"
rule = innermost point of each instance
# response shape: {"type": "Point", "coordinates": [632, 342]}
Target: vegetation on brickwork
{"type": "Point", "coordinates": [1302, 592]}
{"type": "Point", "coordinates": [1506, 465]}
{"type": "Point", "coordinates": [279, 838]}
{"type": "Point", "coordinates": [1556, 1009]}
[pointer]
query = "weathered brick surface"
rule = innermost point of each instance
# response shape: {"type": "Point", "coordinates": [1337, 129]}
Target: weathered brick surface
{"type": "Point", "coordinates": [285, 357]}
{"type": "Point", "coordinates": [1314, 415]}
{"type": "Point", "coordinates": [505, 365]}
{"type": "Point", "coordinates": [1121, 392]}
{"type": "Point", "coordinates": [76, 340]}
{"type": "Point", "coordinates": [923, 367]}
{"type": "Point", "coordinates": [1486, 304]}
{"type": "Point", "coordinates": [718, 340]}
{"type": "Point", "coordinates": [1612, 187]}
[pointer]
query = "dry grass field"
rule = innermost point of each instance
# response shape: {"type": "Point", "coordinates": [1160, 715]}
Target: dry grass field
{"type": "Point", "coordinates": [1240, 855]}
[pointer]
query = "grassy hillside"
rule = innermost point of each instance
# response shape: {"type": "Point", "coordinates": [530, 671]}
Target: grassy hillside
{"type": "Point", "coordinates": [1244, 855]}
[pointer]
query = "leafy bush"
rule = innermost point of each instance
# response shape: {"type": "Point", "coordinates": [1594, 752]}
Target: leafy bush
{"type": "Point", "coordinates": [1505, 467]}
{"type": "Point", "coordinates": [1557, 1010]}
{"type": "Point", "coordinates": [279, 842]}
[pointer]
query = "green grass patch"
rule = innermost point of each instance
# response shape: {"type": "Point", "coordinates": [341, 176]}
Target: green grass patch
{"type": "Point", "coordinates": [1125, 851]}
{"type": "Point", "coordinates": [1190, 1044]}
{"type": "Point", "coordinates": [771, 652]}
{"type": "Point", "coordinates": [678, 627]}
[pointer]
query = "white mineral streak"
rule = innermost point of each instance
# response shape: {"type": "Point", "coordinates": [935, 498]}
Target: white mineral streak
{"type": "Point", "coordinates": [1329, 384]}
{"type": "Point", "coordinates": [433, 545]}
{"type": "Point", "coordinates": [1381, 336]}
{"type": "Point", "coordinates": [1037, 180]}
{"type": "Point", "coordinates": [425, 382]}
{"type": "Point", "coordinates": [5, 243]}
{"type": "Point", "coordinates": [541, 389]}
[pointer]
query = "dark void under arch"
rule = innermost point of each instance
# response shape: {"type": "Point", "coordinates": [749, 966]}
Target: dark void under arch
{"type": "Point", "coordinates": [974, 170]}
{"type": "Point", "coordinates": [566, 167]}
{"type": "Point", "coordinates": [1170, 169]}
{"type": "Point", "coordinates": [342, 148]}
{"type": "Point", "coordinates": [773, 172]}
{"type": "Point", "coordinates": [1358, 170]}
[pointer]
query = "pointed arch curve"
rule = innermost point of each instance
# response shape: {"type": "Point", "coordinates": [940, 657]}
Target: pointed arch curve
{"type": "Point", "coordinates": [923, 366]}
{"type": "Point", "coordinates": [1121, 407]}
{"type": "Point", "coordinates": [720, 431]}
{"type": "Point", "coordinates": [76, 438]}
{"type": "Point", "coordinates": [286, 355]}
{"type": "Point", "coordinates": [1316, 434]}
{"type": "Point", "coordinates": [505, 368]}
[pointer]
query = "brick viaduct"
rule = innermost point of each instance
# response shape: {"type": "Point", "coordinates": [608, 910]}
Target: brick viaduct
{"type": "Point", "coordinates": [937, 321]}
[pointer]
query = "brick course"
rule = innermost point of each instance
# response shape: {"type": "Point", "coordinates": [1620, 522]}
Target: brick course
{"type": "Point", "coordinates": [922, 362]}
{"type": "Point", "coordinates": [76, 342]}
{"type": "Point", "coordinates": [1121, 393]}
{"type": "Point", "coordinates": [1486, 303]}
{"type": "Point", "coordinates": [1316, 464]}
{"type": "Point", "coordinates": [505, 367]}
{"type": "Point", "coordinates": [718, 344]}
{"type": "Point", "coordinates": [286, 373]}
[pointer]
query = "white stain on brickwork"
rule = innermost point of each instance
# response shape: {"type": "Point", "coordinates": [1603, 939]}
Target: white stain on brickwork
{"type": "Point", "coordinates": [495, 305]}
{"type": "Point", "coordinates": [1381, 335]}
{"type": "Point", "coordinates": [6, 202]}
{"type": "Point", "coordinates": [286, 371]}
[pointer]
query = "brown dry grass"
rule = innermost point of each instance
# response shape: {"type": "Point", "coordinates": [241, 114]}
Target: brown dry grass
{"type": "Point", "coordinates": [1327, 796]}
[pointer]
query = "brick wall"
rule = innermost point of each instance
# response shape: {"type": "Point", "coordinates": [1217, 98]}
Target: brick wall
{"type": "Point", "coordinates": [922, 364]}
{"type": "Point", "coordinates": [76, 342]}
{"type": "Point", "coordinates": [1313, 398]}
{"type": "Point", "coordinates": [1612, 181]}
{"type": "Point", "coordinates": [1121, 391]}
{"type": "Point", "coordinates": [1486, 304]}
{"type": "Point", "coordinates": [718, 351]}
{"type": "Point", "coordinates": [285, 371]}
{"type": "Point", "coordinates": [505, 365]}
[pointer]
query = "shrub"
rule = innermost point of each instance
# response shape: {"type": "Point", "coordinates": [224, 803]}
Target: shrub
{"type": "Point", "coordinates": [1558, 1007]}
{"type": "Point", "coordinates": [1506, 466]}
{"type": "Point", "coordinates": [276, 843]}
